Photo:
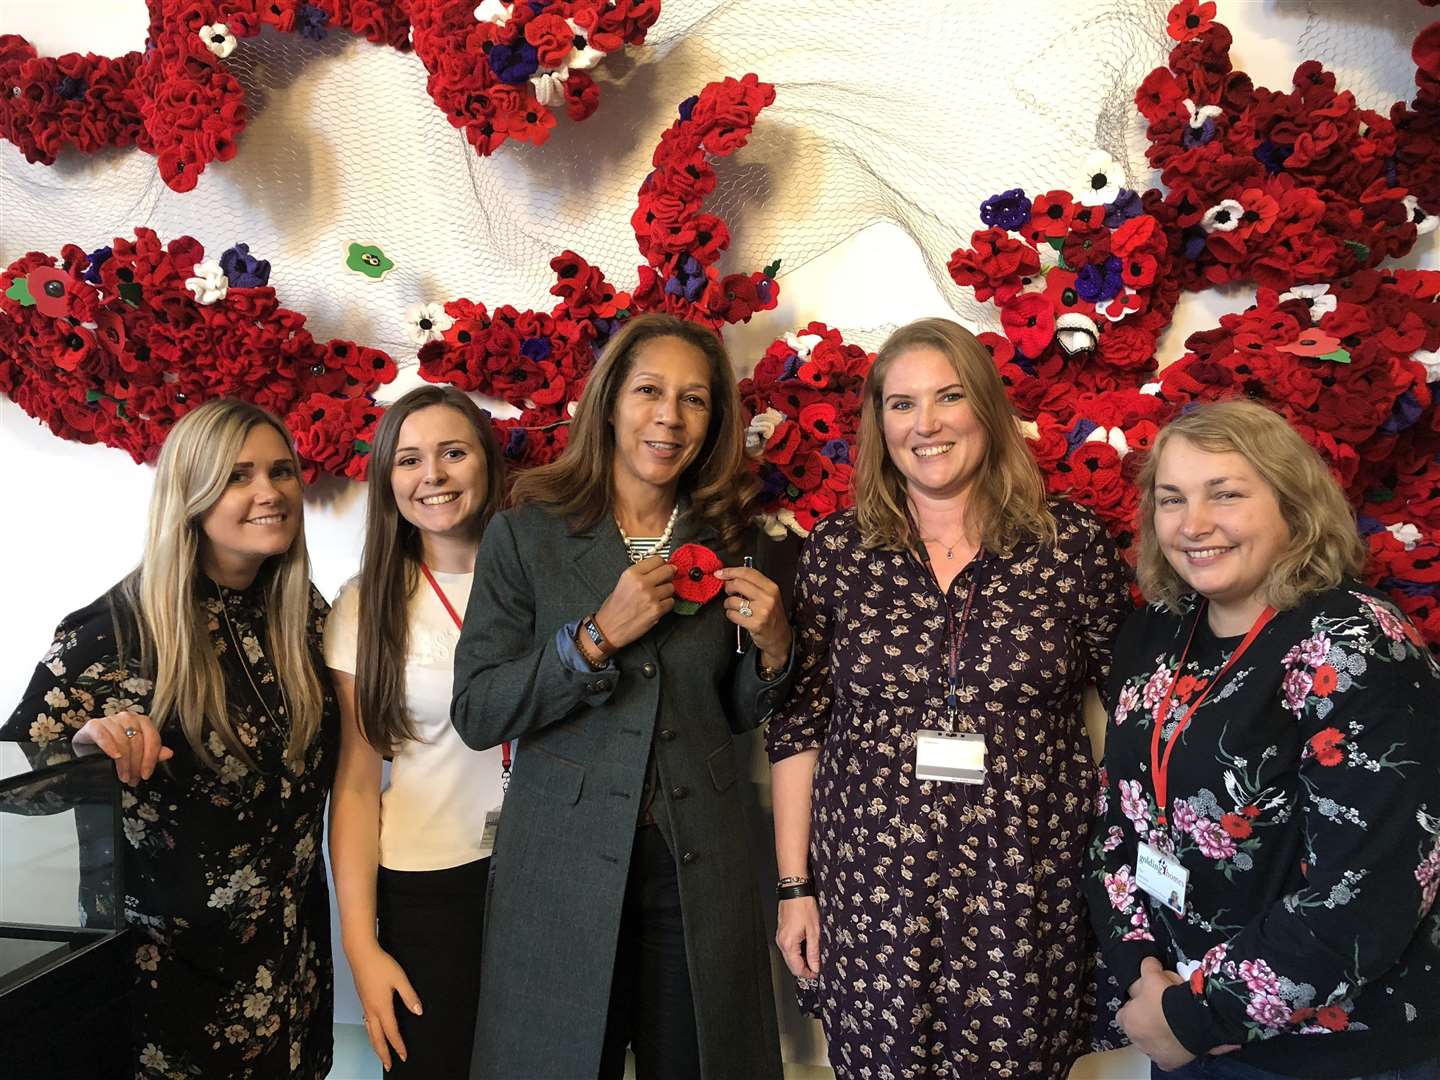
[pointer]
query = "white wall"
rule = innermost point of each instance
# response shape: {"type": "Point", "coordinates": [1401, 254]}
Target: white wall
{"type": "Point", "coordinates": [74, 514]}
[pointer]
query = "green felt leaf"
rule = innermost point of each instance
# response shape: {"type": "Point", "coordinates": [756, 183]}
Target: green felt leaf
{"type": "Point", "coordinates": [19, 291]}
{"type": "Point", "coordinates": [685, 607]}
{"type": "Point", "coordinates": [1361, 251]}
{"type": "Point", "coordinates": [1340, 356]}
{"type": "Point", "coordinates": [131, 293]}
{"type": "Point", "coordinates": [361, 446]}
{"type": "Point", "coordinates": [773, 269]}
{"type": "Point", "coordinates": [792, 491]}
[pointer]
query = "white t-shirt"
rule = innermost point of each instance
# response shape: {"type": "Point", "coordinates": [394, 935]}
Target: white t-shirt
{"type": "Point", "coordinates": [432, 814]}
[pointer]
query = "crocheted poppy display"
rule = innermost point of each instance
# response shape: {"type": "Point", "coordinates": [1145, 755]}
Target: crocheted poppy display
{"type": "Point", "coordinates": [497, 71]}
{"type": "Point", "coordinates": [695, 581]}
{"type": "Point", "coordinates": [113, 346]}
{"type": "Point", "coordinates": [539, 361]}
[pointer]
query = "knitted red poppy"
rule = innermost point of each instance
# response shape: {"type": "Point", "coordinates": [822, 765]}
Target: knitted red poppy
{"type": "Point", "coordinates": [695, 580]}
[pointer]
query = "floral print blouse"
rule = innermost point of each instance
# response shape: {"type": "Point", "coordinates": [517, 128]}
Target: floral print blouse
{"type": "Point", "coordinates": [954, 939]}
{"type": "Point", "coordinates": [1305, 804]}
{"type": "Point", "coordinates": [224, 885]}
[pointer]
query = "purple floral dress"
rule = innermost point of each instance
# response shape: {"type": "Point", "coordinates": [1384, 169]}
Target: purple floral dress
{"type": "Point", "coordinates": [954, 938]}
{"type": "Point", "coordinates": [1305, 804]}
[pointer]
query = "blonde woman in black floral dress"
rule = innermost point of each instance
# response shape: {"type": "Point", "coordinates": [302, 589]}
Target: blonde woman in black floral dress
{"type": "Point", "coordinates": [199, 675]}
{"type": "Point", "coordinates": [1291, 789]}
{"type": "Point", "coordinates": [939, 924]}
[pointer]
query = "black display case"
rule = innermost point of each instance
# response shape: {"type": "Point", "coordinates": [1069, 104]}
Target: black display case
{"type": "Point", "coordinates": [66, 964]}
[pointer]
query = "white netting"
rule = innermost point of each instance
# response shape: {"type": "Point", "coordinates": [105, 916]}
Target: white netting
{"type": "Point", "coordinates": [897, 112]}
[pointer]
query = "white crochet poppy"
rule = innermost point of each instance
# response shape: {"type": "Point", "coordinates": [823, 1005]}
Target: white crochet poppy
{"type": "Point", "coordinates": [1406, 533]}
{"type": "Point", "coordinates": [582, 56]}
{"type": "Point", "coordinates": [803, 344]}
{"type": "Point", "coordinates": [427, 322]}
{"type": "Point", "coordinates": [1152, 388]}
{"type": "Point", "coordinates": [1101, 180]}
{"type": "Point", "coordinates": [1224, 216]}
{"type": "Point", "coordinates": [1321, 302]}
{"type": "Point", "coordinates": [1429, 359]}
{"type": "Point", "coordinates": [493, 11]}
{"type": "Point", "coordinates": [549, 87]}
{"type": "Point", "coordinates": [1424, 223]}
{"type": "Point", "coordinates": [1199, 114]}
{"type": "Point", "coordinates": [1075, 332]}
{"type": "Point", "coordinates": [209, 283]}
{"type": "Point", "coordinates": [1114, 436]}
{"type": "Point", "coordinates": [218, 39]}
{"type": "Point", "coordinates": [760, 430]}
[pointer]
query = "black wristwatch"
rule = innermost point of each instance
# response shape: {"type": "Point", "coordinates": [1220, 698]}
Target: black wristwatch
{"type": "Point", "coordinates": [592, 631]}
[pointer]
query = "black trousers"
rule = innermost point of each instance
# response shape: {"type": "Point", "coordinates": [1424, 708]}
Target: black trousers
{"type": "Point", "coordinates": [651, 1007]}
{"type": "Point", "coordinates": [433, 923]}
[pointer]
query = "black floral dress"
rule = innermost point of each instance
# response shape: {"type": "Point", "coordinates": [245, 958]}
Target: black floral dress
{"type": "Point", "coordinates": [1304, 800]}
{"type": "Point", "coordinates": [224, 884]}
{"type": "Point", "coordinates": [954, 938]}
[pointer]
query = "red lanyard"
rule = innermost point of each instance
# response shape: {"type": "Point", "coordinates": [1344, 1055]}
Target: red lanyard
{"type": "Point", "coordinates": [1160, 766]}
{"type": "Point", "coordinates": [460, 625]}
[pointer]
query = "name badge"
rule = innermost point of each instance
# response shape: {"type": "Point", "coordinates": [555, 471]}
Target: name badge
{"type": "Point", "coordinates": [1162, 877]}
{"type": "Point", "coordinates": [956, 757]}
{"type": "Point", "coordinates": [487, 838]}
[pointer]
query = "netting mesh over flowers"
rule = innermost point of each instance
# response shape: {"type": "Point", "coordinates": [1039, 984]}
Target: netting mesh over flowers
{"type": "Point", "coordinates": [883, 113]}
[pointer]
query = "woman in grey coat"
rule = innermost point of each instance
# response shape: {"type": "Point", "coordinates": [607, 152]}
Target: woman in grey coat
{"type": "Point", "coordinates": [623, 910]}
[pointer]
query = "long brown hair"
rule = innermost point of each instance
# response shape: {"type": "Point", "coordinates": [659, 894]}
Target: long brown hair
{"type": "Point", "coordinates": [170, 621]}
{"type": "Point", "coordinates": [579, 484]}
{"type": "Point", "coordinates": [1324, 543]}
{"type": "Point", "coordinates": [390, 566]}
{"type": "Point", "coordinates": [1008, 501]}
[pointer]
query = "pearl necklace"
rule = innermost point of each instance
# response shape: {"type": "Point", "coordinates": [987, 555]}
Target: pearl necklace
{"type": "Point", "coordinates": [660, 543]}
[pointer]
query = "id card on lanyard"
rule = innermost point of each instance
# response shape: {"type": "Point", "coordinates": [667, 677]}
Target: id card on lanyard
{"type": "Point", "coordinates": [951, 756]}
{"type": "Point", "coordinates": [1158, 874]}
{"type": "Point", "coordinates": [492, 817]}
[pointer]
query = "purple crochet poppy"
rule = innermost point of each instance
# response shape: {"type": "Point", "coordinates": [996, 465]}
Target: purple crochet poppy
{"type": "Point", "coordinates": [1126, 206]}
{"type": "Point", "coordinates": [1009, 210]}
{"type": "Point", "coordinates": [514, 63]}
{"type": "Point", "coordinates": [1097, 282]}
{"type": "Point", "coordinates": [242, 269]}
{"type": "Point", "coordinates": [535, 349]}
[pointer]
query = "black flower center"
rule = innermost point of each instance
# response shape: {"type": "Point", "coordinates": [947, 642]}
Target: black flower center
{"type": "Point", "coordinates": [1223, 217]}
{"type": "Point", "coordinates": [426, 324]}
{"type": "Point", "coordinates": [1192, 21]}
{"type": "Point", "coordinates": [1097, 181]}
{"type": "Point", "coordinates": [579, 41]}
{"type": "Point", "coordinates": [1055, 212]}
{"type": "Point", "coordinates": [696, 574]}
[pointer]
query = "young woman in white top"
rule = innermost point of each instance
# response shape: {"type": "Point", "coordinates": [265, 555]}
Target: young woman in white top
{"type": "Point", "coordinates": [411, 863]}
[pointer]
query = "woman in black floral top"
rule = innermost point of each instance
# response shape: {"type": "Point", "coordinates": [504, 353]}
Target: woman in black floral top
{"type": "Point", "coordinates": [1300, 794]}
{"type": "Point", "coordinates": [950, 938]}
{"type": "Point", "coordinates": [217, 638]}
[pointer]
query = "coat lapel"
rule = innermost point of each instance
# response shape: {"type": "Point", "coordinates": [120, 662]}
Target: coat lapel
{"type": "Point", "coordinates": [599, 556]}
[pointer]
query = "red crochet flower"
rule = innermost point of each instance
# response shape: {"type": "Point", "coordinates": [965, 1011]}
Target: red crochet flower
{"type": "Point", "coordinates": [695, 581]}
{"type": "Point", "coordinates": [1189, 19]}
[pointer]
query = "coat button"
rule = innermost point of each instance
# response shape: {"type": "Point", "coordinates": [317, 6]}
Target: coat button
{"type": "Point", "coordinates": [768, 697]}
{"type": "Point", "coordinates": [648, 670]}
{"type": "Point", "coordinates": [599, 686]}
{"type": "Point", "coordinates": [666, 735]}
{"type": "Point", "coordinates": [688, 858]}
{"type": "Point", "coordinates": [679, 792]}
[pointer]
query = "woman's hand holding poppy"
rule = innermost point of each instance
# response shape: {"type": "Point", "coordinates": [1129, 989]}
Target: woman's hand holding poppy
{"type": "Point", "coordinates": [748, 590]}
{"type": "Point", "coordinates": [644, 593]}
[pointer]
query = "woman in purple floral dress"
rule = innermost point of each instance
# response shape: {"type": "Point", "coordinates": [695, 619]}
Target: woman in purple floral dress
{"type": "Point", "coordinates": [941, 923]}
{"type": "Point", "coordinates": [1263, 879]}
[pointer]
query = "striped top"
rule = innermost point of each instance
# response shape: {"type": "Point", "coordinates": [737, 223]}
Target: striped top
{"type": "Point", "coordinates": [642, 547]}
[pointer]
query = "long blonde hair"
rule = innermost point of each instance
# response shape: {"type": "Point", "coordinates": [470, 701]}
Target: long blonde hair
{"type": "Point", "coordinates": [1008, 501]}
{"type": "Point", "coordinates": [162, 593]}
{"type": "Point", "coordinates": [579, 483]}
{"type": "Point", "coordinates": [1324, 545]}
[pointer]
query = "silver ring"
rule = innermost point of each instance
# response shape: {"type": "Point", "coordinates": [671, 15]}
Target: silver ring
{"type": "Point", "coordinates": [745, 610]}
{"type": "Point", "coordinates": [130, 732]}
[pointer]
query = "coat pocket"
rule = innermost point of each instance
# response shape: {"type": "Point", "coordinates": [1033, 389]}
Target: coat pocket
{"type": "Point", "coordinates": [557, 778]}
{"type": "Point", "coordinates": [722, 766]}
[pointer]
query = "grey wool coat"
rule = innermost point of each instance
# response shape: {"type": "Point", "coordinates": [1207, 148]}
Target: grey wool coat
{"type": "Point", "coordinates": [568, 825]}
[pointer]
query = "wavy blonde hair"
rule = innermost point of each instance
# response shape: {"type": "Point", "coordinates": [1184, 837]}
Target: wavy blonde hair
{"type": "Point", "coordinates": [1008, 501]}
{"type": "Point", "coordinates": [1324, 545]}
{"type": "Point", "coordinates": [162, 593]}
{"type": "Point", "coordinates": [579, 484]}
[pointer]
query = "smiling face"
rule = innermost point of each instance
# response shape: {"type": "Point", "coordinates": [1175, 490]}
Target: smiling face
{"type": "Point", "coordinates": [661, 414]}
{"type": "Point", "coordinates": [259, 513]}
{"type": "Point", "coordinates": [932, 434]}
{"type": "Point", "coordinates": [439, 477]}
{"type": "Point", "coordinates": [1219, 526]}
